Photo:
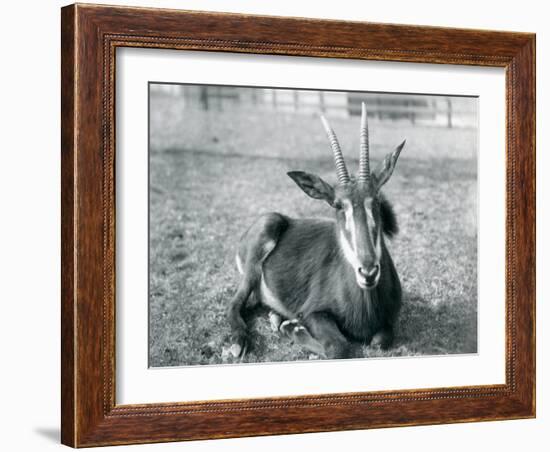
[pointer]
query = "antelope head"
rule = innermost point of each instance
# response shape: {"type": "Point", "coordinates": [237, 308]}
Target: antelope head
{"type": "Point", "coordinates": [357, 202]}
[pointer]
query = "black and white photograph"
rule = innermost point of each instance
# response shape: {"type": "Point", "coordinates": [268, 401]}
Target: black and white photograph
{"type": "Point", "coordinates": [266, 226]}
{"type": "Point", "coordinates": [295, 225]}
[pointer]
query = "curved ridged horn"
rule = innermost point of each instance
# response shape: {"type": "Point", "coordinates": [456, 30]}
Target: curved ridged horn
{"type": "Point", "coordinates": [364, 159]}
{"type": "Point", "coordinates": [341, 170]}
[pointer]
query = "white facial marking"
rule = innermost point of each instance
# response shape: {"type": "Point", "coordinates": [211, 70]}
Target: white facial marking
{"type": "Point", "coordinates": [368, 211]}
{"type": "Point", "coordinates": [350, 225]}
{"type": "Point", "coordinates": [349, 254]}
{"type": "Point", "coordinates": [349, 246]}
{"type": "Point", "coordinates": [376, 233]}
{"type": "Point", "coordinates": [378, 245]}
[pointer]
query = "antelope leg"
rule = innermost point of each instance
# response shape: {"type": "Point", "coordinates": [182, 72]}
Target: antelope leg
{"type": "Point", "coordinates": [300, 334]}
{"type": "Point", "coordinates": [239, 335]}
{"type": "Point", "coordinates": [323, 328]}
{"type": "Point", "coordinates": [383, 338]}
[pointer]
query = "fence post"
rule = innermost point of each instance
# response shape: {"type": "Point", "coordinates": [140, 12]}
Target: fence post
{"type": "Point", "coordinates": [204, 97]}
{"type": "Point", "coordinates": [219, 96]}
{"type": "Point", "coordinates": [449, 113]}
{"type": "Point", "coordinates": [412, 111]}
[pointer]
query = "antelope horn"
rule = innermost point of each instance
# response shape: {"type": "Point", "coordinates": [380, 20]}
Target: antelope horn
{"type": "Point", "coordinates": [341, 170]}
{"type": "Point", "coordinates": [364, 160]}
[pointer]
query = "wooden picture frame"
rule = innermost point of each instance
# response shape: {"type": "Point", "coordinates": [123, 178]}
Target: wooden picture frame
{"type": "Point", "coordinates": [90, 36]}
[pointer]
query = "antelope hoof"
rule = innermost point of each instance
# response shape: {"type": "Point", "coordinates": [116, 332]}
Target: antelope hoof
{"type": "Point", "coordinates": [239, 346]}
{"type": "Point", "coordinates": [275, 321]}
{"type": "Point", "coordinates": [382, 339]}
{"type": "Point", "coordinates": [292, 327]}
{"type": "Point", "coordinates": [238, 351]}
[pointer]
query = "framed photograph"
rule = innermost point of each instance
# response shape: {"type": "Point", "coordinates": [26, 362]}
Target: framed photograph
{"type": "Point", "coordinates": [282, 225]}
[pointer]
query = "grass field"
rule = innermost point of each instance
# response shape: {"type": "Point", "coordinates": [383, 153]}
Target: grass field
{"type": "Point", "coordinates": [201, 201]}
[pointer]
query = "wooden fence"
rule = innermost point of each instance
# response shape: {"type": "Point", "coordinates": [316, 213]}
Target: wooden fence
{"type": "Point", "coordinates": [447, 111]}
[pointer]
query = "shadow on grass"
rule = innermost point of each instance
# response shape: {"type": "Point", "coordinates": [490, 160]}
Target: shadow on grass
{"type": "Point", "coordinates": [425, 328]}
{"type": "Point", "coordinates": [422, 329]}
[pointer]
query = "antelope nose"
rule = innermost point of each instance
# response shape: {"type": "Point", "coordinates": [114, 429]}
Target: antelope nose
{"type": "Point", "coordinates": [370, 273]}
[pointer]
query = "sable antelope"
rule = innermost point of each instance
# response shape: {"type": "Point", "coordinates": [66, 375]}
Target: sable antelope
{"type": "Point", "coordinates": [327, 282]}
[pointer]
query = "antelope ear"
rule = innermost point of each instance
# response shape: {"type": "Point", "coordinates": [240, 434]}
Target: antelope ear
{"type": "Point", "coordinates": [385, 170]}
{"type": "Point", "coordinates": [313, 186]}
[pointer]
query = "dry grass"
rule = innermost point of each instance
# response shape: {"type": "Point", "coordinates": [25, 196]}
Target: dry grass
{"type": "Point", "coordinates": [201, 202]}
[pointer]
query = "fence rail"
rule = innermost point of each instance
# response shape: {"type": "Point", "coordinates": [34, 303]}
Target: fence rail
{"type": "Point", "coordinates": [437, 110]}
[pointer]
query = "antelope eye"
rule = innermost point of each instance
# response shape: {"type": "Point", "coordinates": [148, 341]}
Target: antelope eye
{"type": "Point", "coordinates": [338, 205]}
